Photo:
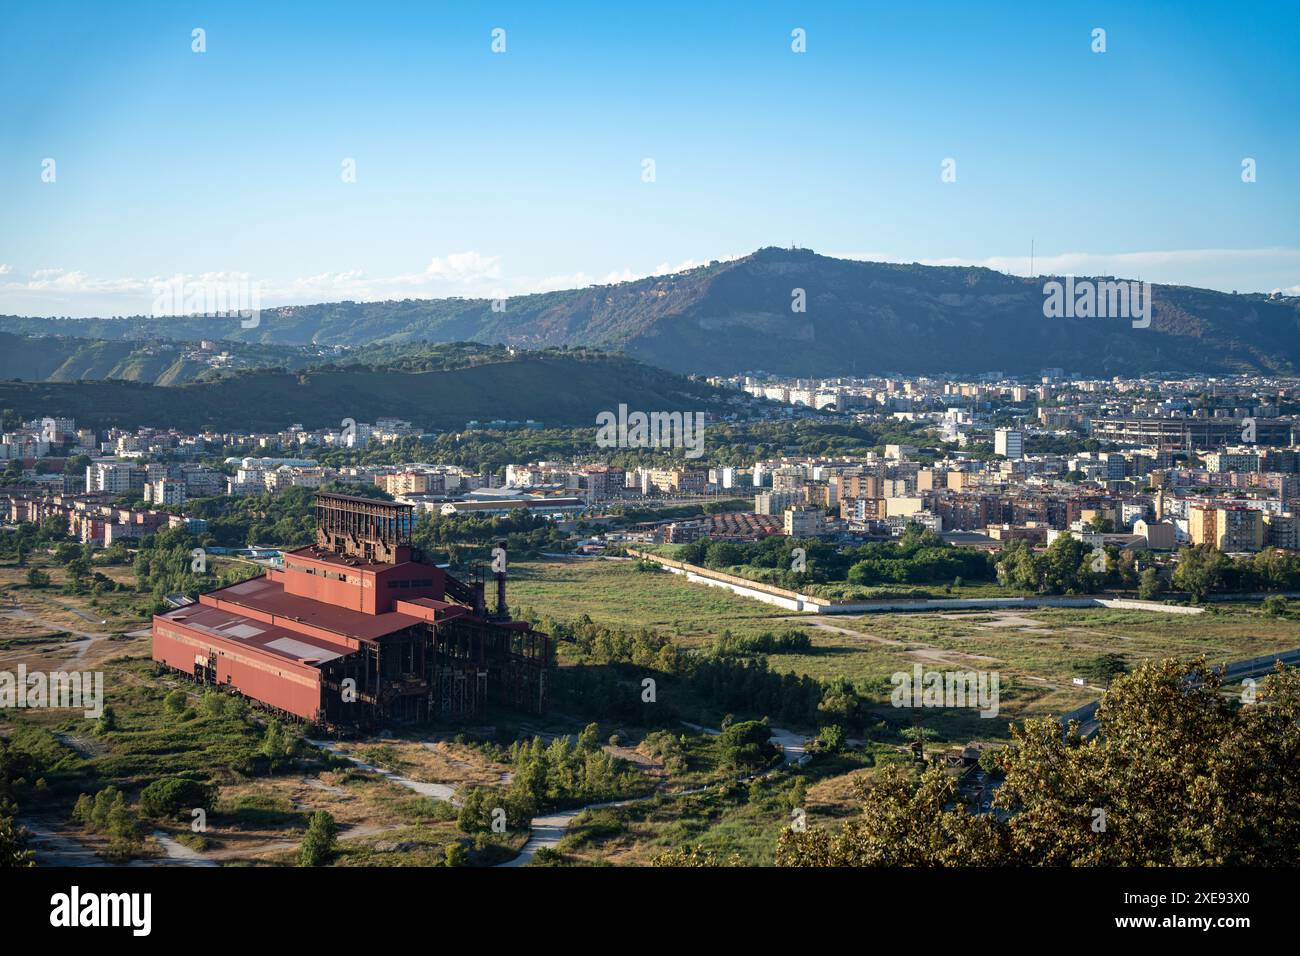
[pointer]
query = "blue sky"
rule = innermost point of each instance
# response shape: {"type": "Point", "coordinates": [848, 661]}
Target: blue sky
{"type": "Point", "coordinates": [484, 174]}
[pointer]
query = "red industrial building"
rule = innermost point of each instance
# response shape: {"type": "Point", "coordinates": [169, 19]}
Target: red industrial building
{"type": "Point", "coordinates": [358, 630]}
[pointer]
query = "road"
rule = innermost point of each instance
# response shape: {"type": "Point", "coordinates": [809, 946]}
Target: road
{"type": "Point", "coordinates": [1236, 671]}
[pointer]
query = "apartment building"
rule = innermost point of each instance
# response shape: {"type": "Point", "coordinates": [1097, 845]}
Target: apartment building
{"type": "Point", "coordinates": [1009, 442]}
{"type": "Point", "coordinates": [1228, 529]}
{"type": "Point", "coordinates": [804, 521]}
{"type": "Point", "coordinates": [775, 502]}
{"type": "Point", "coordinates": [1282, 531]}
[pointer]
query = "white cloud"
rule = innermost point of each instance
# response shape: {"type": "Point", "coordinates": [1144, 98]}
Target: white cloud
{"type": "Point", "coordinates": [472, 274]}
{"type": "Point", "coordinates": [464, 267]}
{"type": "Point", "coordinates": [56, 291]}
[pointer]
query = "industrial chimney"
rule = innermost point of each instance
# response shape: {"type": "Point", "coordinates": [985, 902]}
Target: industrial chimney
{"type": "Point", "coordinates": [499, 568]}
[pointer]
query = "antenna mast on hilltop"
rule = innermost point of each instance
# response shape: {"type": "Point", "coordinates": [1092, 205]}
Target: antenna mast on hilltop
{"type": "Point", "coordinates": [1031, 258]}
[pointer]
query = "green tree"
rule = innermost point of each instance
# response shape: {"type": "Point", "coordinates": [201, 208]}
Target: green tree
{"type": "Point", "coordinates": [1103, 669]}
{"type": "Point", "coordinates": [832, 738]}
{"type": "Point", "coordinates": [173, 796]}
{"type": "Point", "coordinates": [1201, 571]}
{"type": "Point", "coordinates": [13, 845]}
{"type": "Point", "coordinates": [455, 854]}
{"type": "Point", "coordinates": [107, 721]}
{"type": "Point", "coordinates": [1150, 585]}
{"type": "Point", "coordinates": [746, 746]}
{"type": "Point", "coordinates": [278, 744]}
{"type": "Point", "coordinates": [1177, 775]}
{"type": "Point", "coordinates": [589, 739]}
{"type": "Point", "coordinates": [1275, 605]}
{"type": "Point", "coordinates": [319, 842]}
{"type": "Point", "coordinates": [55, 526]}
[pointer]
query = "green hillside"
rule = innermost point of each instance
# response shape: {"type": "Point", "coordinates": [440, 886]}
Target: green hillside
{"type": "Point", "coordinates": [554, 388]}
{"type": "Point", "coordinates": [860, 317]}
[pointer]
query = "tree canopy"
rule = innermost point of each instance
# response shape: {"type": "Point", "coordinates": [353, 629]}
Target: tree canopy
{"type": "Point", "coordinates": [1180, 774]}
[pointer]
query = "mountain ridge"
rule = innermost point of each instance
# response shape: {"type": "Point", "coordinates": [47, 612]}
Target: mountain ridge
{"type": "Point", "coordinates": [736, 316]}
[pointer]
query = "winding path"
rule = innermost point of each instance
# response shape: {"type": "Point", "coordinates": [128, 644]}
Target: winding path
{"type": "Point", "coordinates": [436, 791]}
{"type": "Point", "coordinates": [547, 831]}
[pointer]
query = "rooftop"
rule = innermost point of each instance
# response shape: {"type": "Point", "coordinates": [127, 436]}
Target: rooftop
{"type": "Point", "coordinates": [257, 635]}
{"type": "Point", "coordinates": [263, 594]}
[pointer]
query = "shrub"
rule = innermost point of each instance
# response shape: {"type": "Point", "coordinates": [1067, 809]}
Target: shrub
{"type": "Point", "coordinates": [747, 745]}
{"type": "Point", "coordinates": [832, 738]}
{"type": "Point", "coordinates": [319, 841]}
{"type": "Point", "coordinates": [175, 796]}
{"type": "Point", "coordinates": [455, 854]}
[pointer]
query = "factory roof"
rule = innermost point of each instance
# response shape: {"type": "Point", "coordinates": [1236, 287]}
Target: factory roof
{"type": "Point", "coordinates": [268, 596]}
{"type": "Point", "coordinates": [236, 629]}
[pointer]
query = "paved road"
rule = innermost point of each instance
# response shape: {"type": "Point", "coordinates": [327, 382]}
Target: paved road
{"type": "Point", "coordinates": [1236, 671]}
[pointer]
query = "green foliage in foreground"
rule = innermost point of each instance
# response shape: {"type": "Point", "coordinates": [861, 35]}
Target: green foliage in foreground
{"type": "Point", "coordinates": [1179, 775]}
{"type": "Point", "coordinates": [320, 840]}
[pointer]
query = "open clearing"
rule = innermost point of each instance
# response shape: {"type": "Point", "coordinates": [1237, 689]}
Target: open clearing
{"type": "Point", "coordinates": [1036, 655]}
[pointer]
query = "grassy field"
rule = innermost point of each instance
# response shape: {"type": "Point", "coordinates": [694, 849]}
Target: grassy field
{"type": "Point", "coordinates": [1035, 651]}
{"type": "Point", "coordinates": [264, 804]}
{"type": "Point", "coordinates": [616, 593]}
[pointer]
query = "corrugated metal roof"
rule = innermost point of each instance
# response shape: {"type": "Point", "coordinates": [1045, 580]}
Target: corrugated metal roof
{"type": "Point", "coordinates": [235, 630]}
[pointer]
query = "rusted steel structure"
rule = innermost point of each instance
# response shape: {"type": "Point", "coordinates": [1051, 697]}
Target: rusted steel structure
{"type": "Point", "coordinates": [373, 530]}
{"type": "Point", "coordinates": [359, 630]}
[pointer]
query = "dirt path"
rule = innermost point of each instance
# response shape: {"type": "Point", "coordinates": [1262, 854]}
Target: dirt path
{"type": "Point", "coordinates": [436, 791]}
{"type": "Point", "coordinates": [547, 831]}
{"type": "Point", "coordinates": [845, 631]}
{"type": "Point", "coordinates": [77, 649]}
{"type": "Point", "coordinates": [84, 616]}
{"type": "Point", "coordinates": [22, 615]}
{"type": "Point", "coordinates": [53, 848]}
{"type": "Point", "coordinates": [256, 847]}
{"type": "Point", "coordinates": [178, 854]}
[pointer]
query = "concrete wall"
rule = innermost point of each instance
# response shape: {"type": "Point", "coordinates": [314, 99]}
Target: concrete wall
{"type": "Point", "coordinates": [793, 601]}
